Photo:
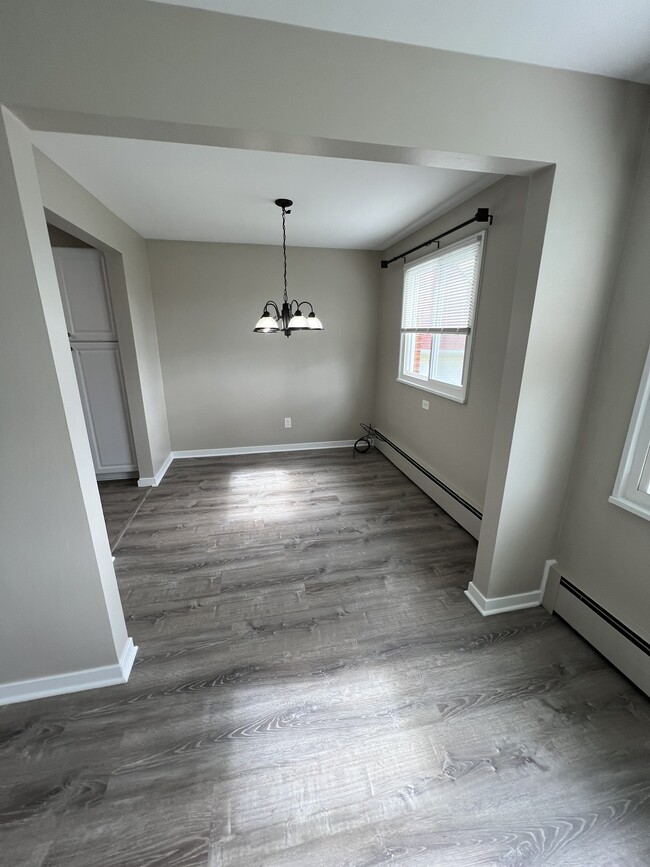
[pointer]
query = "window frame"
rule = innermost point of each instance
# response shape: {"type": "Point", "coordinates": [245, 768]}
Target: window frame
{"type": "Point", "coordinates": [457, 393]}
{"type": "Point", "coordinates": [634, 468]}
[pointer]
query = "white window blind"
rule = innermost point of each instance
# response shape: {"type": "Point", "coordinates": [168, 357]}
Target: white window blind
{"type": "Point", "coordinates": [439, 303]}
{"type": "Point", "coordinates": [440, 290]}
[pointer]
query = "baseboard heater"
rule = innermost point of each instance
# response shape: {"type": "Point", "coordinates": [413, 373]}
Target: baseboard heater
{"type": "Point", "coordinates": [468, 516]}
{"type": "Point", "coordinates": [614, 622]}
{"type": "Point", "coordinates": [430, 476]}
{"type": "Point", "coordinates": [620, 644]}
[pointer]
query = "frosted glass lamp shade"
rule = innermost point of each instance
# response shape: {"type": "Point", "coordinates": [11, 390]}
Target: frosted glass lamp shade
{"type": "Point", "coordinates": [314, 323]}
{"type": "Point", "coordinates": [266, 324]}
{"type": "Point", "coordinates": [298, 322]}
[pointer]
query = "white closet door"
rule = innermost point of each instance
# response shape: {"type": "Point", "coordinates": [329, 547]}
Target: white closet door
{"type": "Point", "coordinates": [99, 373]}
{"type": "Point", "coordinates": [84, 292]}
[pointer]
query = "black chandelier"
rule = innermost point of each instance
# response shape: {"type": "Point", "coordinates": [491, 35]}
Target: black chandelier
{"type": "Point", "coordinates": [290, 317]}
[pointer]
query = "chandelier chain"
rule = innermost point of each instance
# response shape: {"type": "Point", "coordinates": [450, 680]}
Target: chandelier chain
{"type": "Point", "coordinates": [284, 251]}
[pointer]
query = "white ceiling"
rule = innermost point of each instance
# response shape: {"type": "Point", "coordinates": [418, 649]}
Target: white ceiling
{"type": "Point", "coordinates": [606, 37]}
{"type": "Point", "coordinates": [196, 193]}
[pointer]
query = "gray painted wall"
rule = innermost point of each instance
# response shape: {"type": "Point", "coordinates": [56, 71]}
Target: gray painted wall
{"type": "Point", "coordinates": [60, 608]}
{"type": "Point", "coordinates": [226, 386]}
{"type": "Point", "coordinates": [454, 440]}
{"type": "Point", "coordinates": [602, 548]}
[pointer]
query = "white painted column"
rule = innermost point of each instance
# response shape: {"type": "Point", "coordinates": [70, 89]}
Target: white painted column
{"type": "Point", "coordinates": [61, 621]}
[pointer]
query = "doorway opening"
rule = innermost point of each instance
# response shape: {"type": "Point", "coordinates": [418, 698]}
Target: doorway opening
{"type": "Point", "coordinates": [94, 343]}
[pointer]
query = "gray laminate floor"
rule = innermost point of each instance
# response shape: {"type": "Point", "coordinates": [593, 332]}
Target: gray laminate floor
{"type": "Point", "coordinates": [312, 688]}
{"type": "Point", "coordinates": [121, 500]}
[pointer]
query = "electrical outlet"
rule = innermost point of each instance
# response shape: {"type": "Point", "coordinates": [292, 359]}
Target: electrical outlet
{"type": "Point", "coordinates": [425, 404]}
{"type": "Point", "coordinates": [287, 422]}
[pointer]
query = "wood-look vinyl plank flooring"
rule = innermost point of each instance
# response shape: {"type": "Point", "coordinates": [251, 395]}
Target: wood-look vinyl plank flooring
{"type": "Point", "coordinates": [312, 687]}
{"type": "Point", "coordinates": [121, 499]}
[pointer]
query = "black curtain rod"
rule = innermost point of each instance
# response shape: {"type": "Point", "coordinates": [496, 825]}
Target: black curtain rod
{"type": "Point", "coordinates": [482, 216]}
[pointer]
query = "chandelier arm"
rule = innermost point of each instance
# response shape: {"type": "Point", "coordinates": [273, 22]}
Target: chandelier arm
{"type": "Point", "coordinates": [308, 303]}
{"type": "Point", "coordinates": [275, 307]}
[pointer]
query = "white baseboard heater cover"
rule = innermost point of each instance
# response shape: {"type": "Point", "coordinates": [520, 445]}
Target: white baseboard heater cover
{"type": "Point", "coordinates": [462, 511]}
{"type": "Point", "coordinates": [622, 646]}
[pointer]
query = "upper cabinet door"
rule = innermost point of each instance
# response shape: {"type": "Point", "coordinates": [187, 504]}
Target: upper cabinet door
{"type": "Point", "coordinates": [84, 291]}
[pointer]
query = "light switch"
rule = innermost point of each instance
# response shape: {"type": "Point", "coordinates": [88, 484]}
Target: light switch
{"type": "Point", "coordinates": [425, 404]}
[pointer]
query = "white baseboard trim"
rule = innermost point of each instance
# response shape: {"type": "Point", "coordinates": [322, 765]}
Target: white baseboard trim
{"type": "Point", "coordinates": [154, 481]}
{"type": "Point", "coordinates": [127, 659]}
{"type": "Point", "coordinates": [74, 681]}
{"type": "Point", "coordinates": [262, 450]}
{"type": "Point", "coordinates": [501, 604]}
{"type": "Point", "coordinates": [547, 568]}
{"type": "Point", "coordinates": [452, 507]}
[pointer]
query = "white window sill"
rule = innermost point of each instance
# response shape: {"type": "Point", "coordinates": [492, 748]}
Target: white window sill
{"type": "Point", "coordinates": [634, 508]}
{"type": "Point", "coordinates": [427, 386]}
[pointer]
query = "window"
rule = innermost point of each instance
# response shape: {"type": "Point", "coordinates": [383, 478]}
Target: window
{"type": "Point", "coordinates": [632, 488]}
{"type": "Point", "coordinates": [438, 310]}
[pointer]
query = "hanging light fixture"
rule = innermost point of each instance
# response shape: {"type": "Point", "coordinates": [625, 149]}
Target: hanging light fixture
{"type": "Point", "coordinates": [290, 318]}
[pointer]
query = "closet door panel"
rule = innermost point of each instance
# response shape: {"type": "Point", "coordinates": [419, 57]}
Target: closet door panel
{"type": "Point", "coordinates": [101, 383]}
{"type": "Point", "coordinates": [84, 292]}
